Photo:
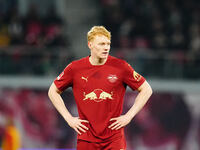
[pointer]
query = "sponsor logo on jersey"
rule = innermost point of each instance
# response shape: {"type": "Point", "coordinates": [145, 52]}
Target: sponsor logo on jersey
{"type": "Point", "coordinates": [98, 95]}
{"type": "Point", "coordinates": [136, 76]}
{"type": "Point", "coordinates": [112, 78]}
{"type": "Point", "coordinates": [85, 78]}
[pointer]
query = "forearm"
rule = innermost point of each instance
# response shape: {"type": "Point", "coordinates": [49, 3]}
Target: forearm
{"type": "Point", "coordinates": [140, 101]}
{"type": "Point", "coordinates": [58, 103]}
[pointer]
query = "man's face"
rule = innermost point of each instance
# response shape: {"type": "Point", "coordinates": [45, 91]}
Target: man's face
{"type": "Point", "coordinates": [100, 46]}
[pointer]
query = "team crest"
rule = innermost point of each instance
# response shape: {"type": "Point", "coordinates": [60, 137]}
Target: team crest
{"type": "Point", "coordinates": [112, 78]}
{"type": "Point", "coordinates": [136, 76]}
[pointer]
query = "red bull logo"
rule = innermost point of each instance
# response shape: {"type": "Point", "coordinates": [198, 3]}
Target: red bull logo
{"type": "Point", "coordinates": [98, 95]}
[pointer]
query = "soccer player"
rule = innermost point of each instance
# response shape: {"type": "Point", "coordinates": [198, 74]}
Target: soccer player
{"type": "Point", "coordinates": [99, 83]}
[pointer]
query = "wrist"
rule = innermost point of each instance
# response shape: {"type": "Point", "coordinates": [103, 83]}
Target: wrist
{"type": "Point", "coordinates": [128, 117]}
{"type": "Point", "coordinates": [68, 118]}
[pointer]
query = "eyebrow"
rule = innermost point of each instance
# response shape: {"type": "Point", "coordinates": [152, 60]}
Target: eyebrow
{"type": "Point", "coordinates": [105, 42]}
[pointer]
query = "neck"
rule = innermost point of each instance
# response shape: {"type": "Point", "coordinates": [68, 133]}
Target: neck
{"type": "Point", "coordinates": [97, 61]}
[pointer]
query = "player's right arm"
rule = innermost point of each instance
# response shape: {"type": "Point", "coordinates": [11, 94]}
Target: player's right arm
{"type": "Point", "coordinates": [57, 101]}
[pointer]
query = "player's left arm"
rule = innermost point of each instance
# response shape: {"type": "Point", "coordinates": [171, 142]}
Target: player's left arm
{"type": "Point", "coordinates": [145, 91]}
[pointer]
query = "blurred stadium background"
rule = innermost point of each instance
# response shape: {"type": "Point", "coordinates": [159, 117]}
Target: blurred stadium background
{"type": "Point", "coordinates": [160, 39]}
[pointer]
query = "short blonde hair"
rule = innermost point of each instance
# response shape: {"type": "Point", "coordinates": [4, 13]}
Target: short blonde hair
{"type": "Point", "coordinates": [98, 30]}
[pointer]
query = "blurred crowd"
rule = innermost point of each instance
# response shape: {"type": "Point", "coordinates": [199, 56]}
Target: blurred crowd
{"type": "Point", "coordinates": [171, 24]}
{"type": "Point", "coordinates": [31, 29]}
{"type": "Point", "coordinates": [146, 33]}
{"type": "Point", "coordinates": [150, 33]}
{"type": "Point", "coordinates": [32, 44]}
{"type": "Point", "coordinates": [164, 123]}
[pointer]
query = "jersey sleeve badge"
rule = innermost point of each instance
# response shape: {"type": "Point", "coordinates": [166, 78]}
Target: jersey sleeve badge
{"type": "Point", "coordinates": [136, 76]}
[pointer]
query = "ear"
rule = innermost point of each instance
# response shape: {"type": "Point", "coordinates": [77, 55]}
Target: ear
{"type": "Point", "coordinates": [89, 45]}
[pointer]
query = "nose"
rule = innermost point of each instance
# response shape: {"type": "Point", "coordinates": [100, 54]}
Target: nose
{"type": "Point", "coordinates": [107, 47]}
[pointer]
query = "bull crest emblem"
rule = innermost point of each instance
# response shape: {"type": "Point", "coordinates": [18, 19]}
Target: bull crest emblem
{"type": "Point", "coordinates": [98, 95]}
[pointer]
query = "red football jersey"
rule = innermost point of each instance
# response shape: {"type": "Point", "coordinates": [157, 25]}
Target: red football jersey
{"type": "Point", "coordinates": [99, 92]}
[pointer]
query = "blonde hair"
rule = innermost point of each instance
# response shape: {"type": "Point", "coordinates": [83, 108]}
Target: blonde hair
{"type": "Point", "coordinates": [98, 30]}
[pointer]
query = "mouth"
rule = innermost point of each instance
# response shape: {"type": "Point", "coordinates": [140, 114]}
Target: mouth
{"type": "Point", "coordinates": [105, 53]}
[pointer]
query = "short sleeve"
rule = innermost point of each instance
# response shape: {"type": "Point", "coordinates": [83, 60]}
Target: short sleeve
{"type": "Point", "coordinates": [64, 80]}
{"type": "Point", "coordinates": [133, 79]}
